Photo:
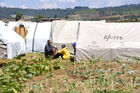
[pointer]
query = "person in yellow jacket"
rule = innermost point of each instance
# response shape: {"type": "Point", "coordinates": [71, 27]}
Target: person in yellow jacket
{"type": "Point", "coordinates": [64, 53]}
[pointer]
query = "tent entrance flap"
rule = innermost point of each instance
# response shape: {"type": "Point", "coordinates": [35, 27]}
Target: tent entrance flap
{"type": "Point", "coordinates": [21, 30]}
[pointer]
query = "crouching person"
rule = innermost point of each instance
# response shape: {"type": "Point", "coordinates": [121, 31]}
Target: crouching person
{"type": "Point", "coordinates": [49, 50]}
{"type": "Point", "coordinates": [64, 53]}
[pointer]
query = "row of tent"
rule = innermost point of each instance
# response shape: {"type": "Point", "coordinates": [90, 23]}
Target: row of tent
{"type": "Point", "coordinates": [96, 39]}
{"type": "Point", "coordinates": [37, 34]}
{"type": "Point", "coordinates": [14, 43]}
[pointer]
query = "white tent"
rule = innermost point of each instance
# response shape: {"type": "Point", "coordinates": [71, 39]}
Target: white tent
{"type": "Point", "coordinates": [108, 40]}
{"type": "Point", "coordinates": [14, 24]}
{"type": "Point", "coordinates": [64, 32]}
{"type": "Point", "coordinates": [67, 32]}
{"type": "Point", "coordinates": [12, 44]}
{"type": "Point", "coordinates": [37, 35]}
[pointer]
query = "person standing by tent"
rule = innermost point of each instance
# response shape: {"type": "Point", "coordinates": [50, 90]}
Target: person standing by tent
{"type": "Point", "coordinates": [49, 49]}
{"type": "Point", "coordinates": [64, 53]}
{"type": "Point", "coordinates": [74, 47]}
{"type": "Point", "coordinates": [73, 58]}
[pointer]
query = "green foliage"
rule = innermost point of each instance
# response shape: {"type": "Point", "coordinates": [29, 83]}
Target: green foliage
{"type": "Point", "coordinates": [49, 13]}
{"type": "Point", "coordinates": [86, 11]}
{"type": "Point", "coordinates": [138, 85]}
{"type": "Point", "coordinates": [15, 74]}
{"type": "Point", "coordinates": [39, 17]}
{"type": "Point", "coordinates": [73, 89]}
{"type": "Point", "coordinates": [74, 77]}
{"type": "Point", "coordinates": [109, 91]}
{"type": "Point", "coordinates": [18, 16]}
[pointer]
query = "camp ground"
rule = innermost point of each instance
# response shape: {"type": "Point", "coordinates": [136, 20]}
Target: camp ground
{"type": "Point", "coordinates": [11, 44]}
{"type": "Point", "coordinates": [94, 38]}
{"type": "Point", "coordinates": [107, 57]}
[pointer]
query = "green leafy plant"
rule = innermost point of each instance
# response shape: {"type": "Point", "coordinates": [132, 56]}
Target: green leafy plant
{"type": "Point", "coordinates": [16, 74]}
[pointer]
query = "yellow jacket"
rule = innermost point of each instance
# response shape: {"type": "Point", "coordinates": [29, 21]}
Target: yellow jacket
{"type": "Point", "coordinates": [65, 52]}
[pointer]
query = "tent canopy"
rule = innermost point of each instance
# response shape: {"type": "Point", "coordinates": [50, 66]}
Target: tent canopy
{"type": "Point", "coordinates": [37, 35]}
{"type": "Point", "coordinates": [108, 40]}
{"type": "Point", "coordinates": [66, 32]}
{"type": "Point", "coordinates": [15, 44]}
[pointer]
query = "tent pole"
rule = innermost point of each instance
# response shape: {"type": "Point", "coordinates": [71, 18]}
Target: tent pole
{"type": "Point", "coordinates": [34, 37]}
{"type": "Point", "coordinates": [51, 36]}
{"type": "Point", "coordinates": [78, 31]}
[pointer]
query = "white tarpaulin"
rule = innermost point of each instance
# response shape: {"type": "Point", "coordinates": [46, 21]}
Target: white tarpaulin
{"type": "Point", "coordinates": [37, 35]}
{"type": "Point", "coordinates": [41, 36]}
{"type": "Point", "coordinates": [13, 24]}
{"type": "Point", "coordinates": [66, 32]}
{"type": "Point", "coordinates": [15, 44]}
{"type": "Point", "coordinates": [108, 40]}
{"type": "Point", "coordinates": [30, 36]}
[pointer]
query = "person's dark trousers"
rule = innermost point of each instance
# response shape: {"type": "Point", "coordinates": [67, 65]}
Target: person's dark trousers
{"type": "Point", "coordinates": [57, 55]}
{"type": "Point", "coordinates": [48, 53]}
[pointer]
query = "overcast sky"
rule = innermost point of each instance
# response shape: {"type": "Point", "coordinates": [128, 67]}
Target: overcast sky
{"type": "Point", "coordinates": [38, 4]}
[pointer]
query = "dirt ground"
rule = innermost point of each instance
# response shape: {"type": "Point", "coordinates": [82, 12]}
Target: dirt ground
{"type": "Point", "coordinates": [62, 81]}
{"type": "Point", "coordinates": [84, 77]}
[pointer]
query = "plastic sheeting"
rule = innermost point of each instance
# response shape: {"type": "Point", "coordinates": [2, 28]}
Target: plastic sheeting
{"type": "Point", "coordinates": [37, 36]}
{"type": "Point", "coordinates": [108, 41]}
{"type": "Point", "coordinates": [13, 24]}
{"type": "Point", "coordinates": [15, 44]}
{"type": "Point", "coordinates": [66, 32]}
{"type": "Point", "coordinates": [29, 37]}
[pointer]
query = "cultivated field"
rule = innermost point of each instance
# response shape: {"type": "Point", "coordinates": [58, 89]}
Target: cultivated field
{"type": "Point", "coordinates": [33, 73]}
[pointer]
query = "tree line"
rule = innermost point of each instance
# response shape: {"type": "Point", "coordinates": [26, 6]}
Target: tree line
{"type": "Point", "coordinates": [128, 11]}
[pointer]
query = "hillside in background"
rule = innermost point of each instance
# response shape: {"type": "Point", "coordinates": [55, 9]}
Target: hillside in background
{"type": "Point", "coordinates": [120, 13]}
{"type": "Point", "coordinates": [9, 13]}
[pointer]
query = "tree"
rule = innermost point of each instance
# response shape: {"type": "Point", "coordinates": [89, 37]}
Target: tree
{"type": "Point", "coordinates": [101, 13]}
{"type": "Point", "coordinates": [18, 16]}
{"type": "Point", "coordinates": [66, 17]}
{"type": "Point", "coordinates": [39, 17]}
{"type": "Point", "coordinates": [55, 16]}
